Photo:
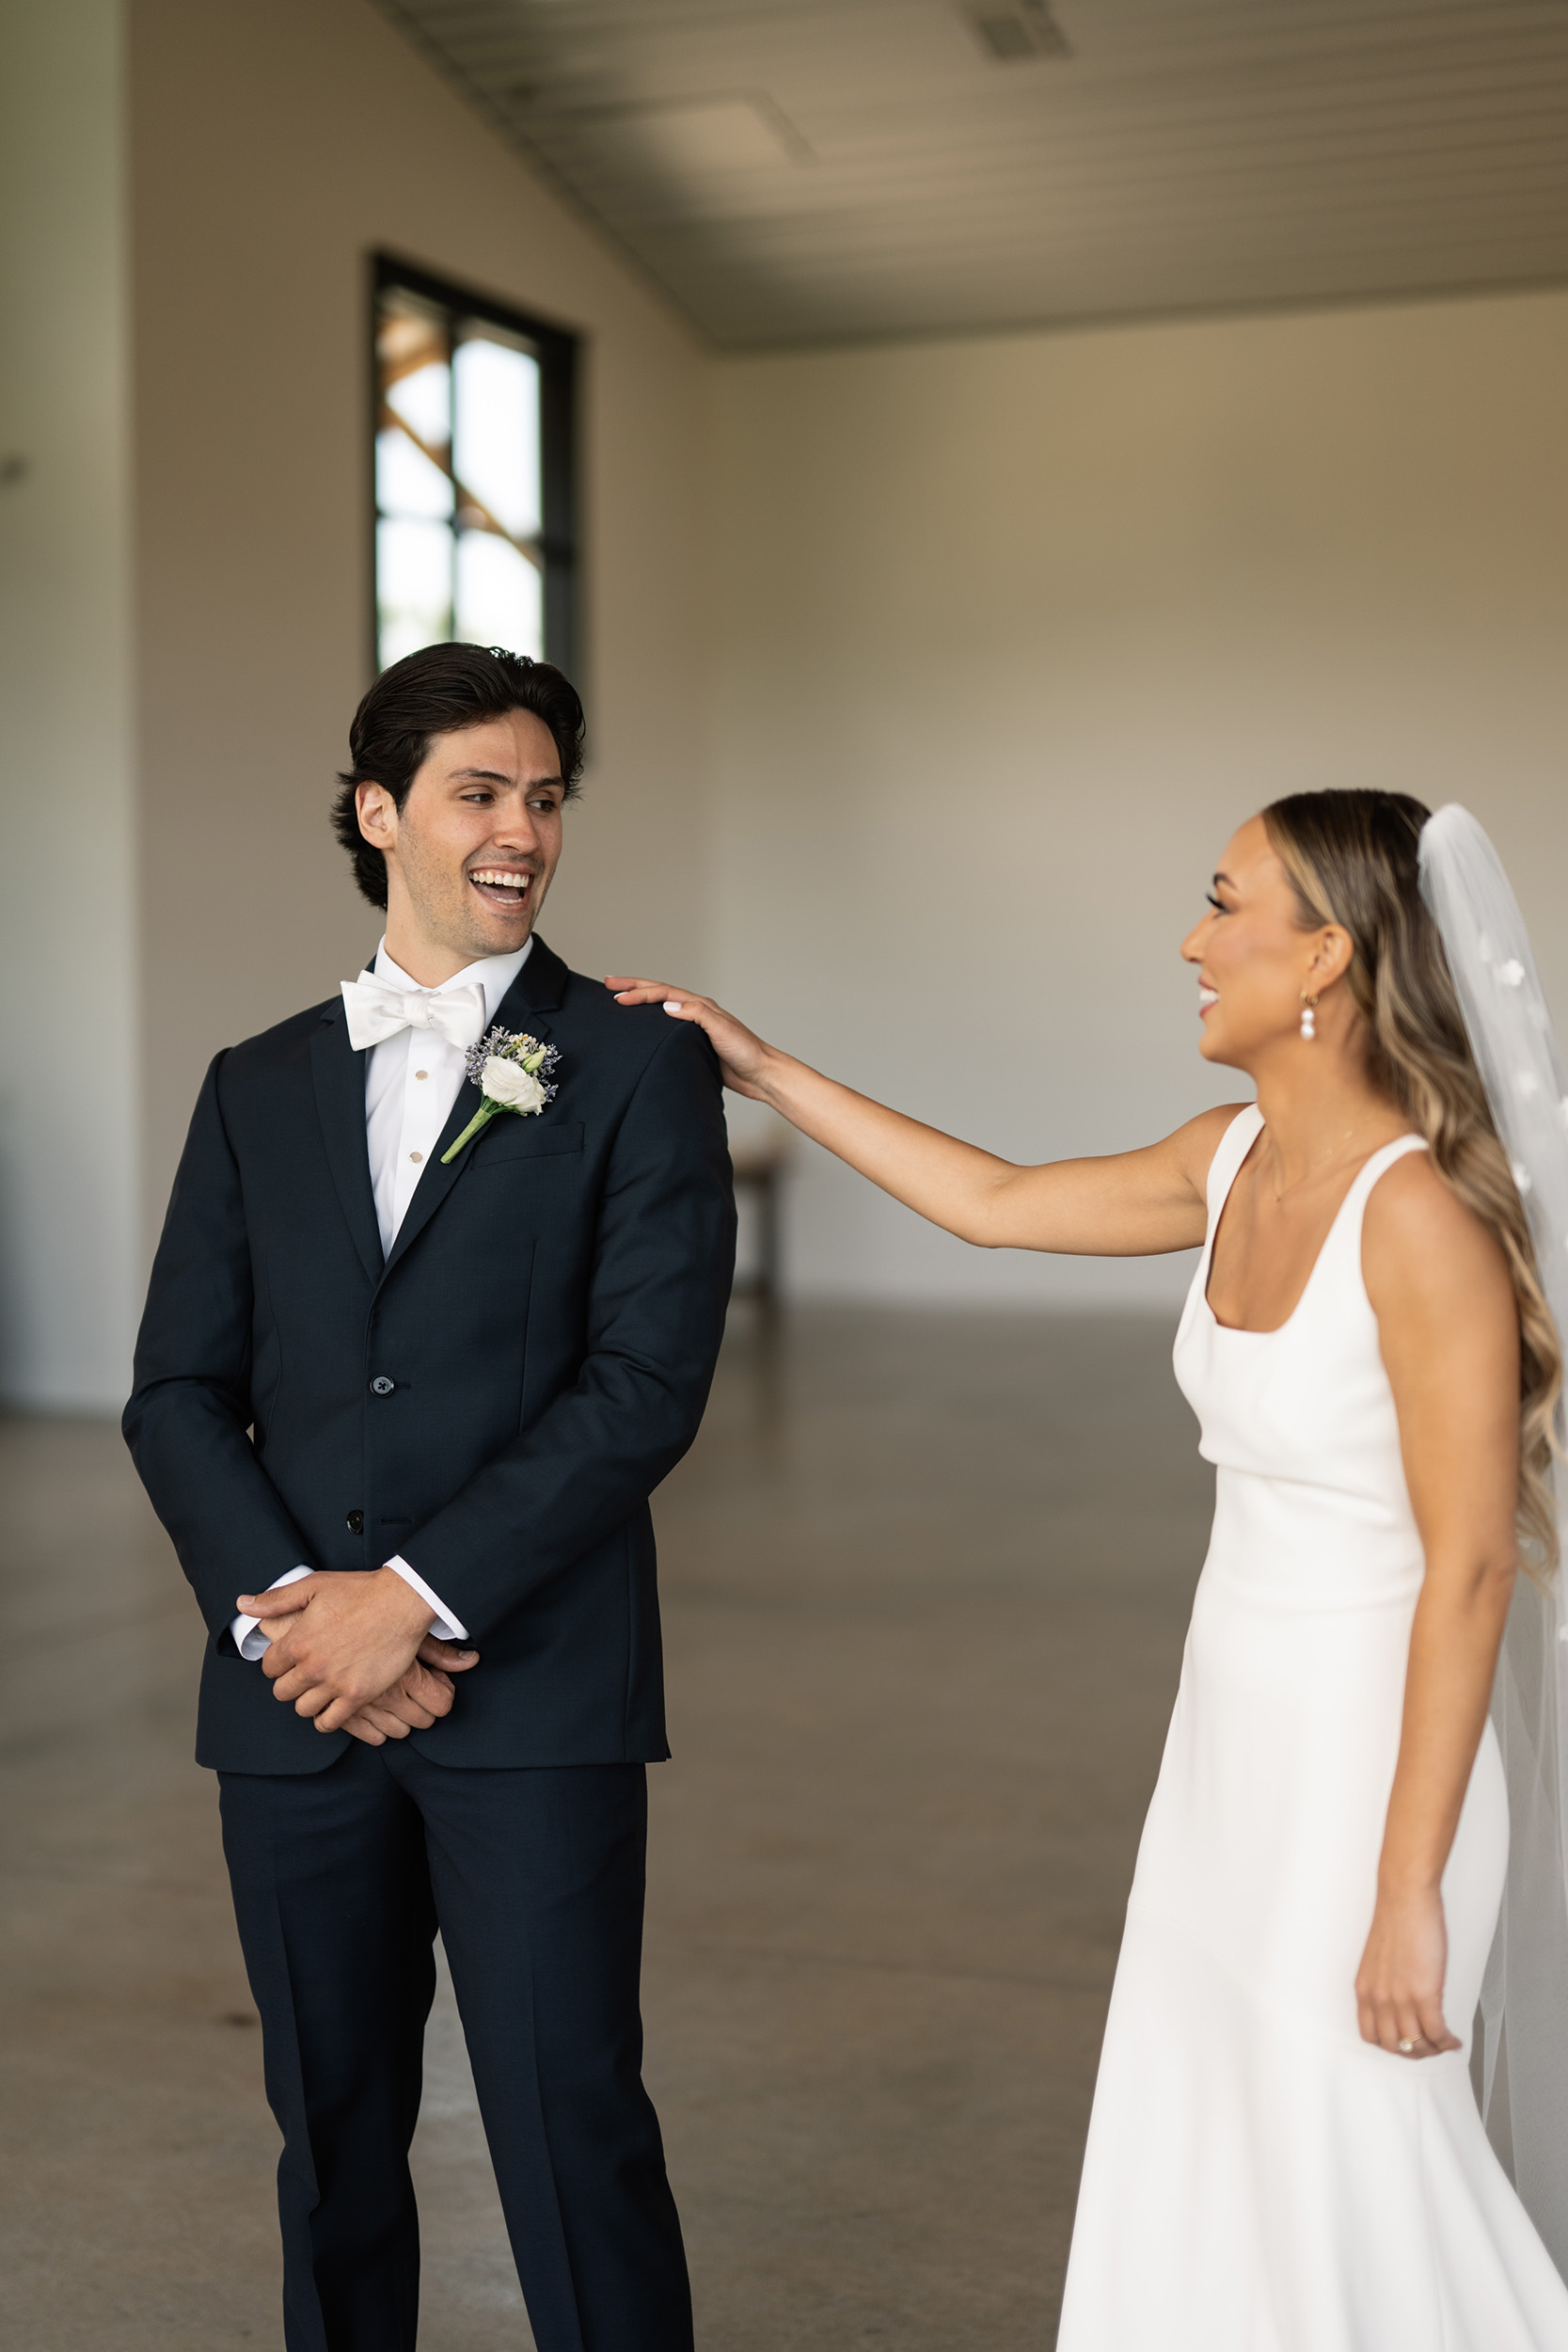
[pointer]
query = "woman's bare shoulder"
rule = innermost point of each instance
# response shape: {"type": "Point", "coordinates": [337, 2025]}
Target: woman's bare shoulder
{"type": "Point", "coordinates": [1421, 1247]}
{"type": "Point", "coordinates": [1195, 1145]}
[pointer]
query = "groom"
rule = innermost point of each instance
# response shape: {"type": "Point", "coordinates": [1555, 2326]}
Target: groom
{"type": "Point", "coordinates": [396, 1408]}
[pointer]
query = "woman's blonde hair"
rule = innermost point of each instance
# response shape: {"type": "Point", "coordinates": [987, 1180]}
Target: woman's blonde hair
{"type": "Point", "coordinates": [1352, 860]}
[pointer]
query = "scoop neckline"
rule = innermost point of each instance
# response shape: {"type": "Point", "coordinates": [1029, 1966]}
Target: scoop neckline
{"type": "Point", "coordinates": [1249, 1330]}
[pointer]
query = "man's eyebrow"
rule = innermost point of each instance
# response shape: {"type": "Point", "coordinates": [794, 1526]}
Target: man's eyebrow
{"type": "Point", "coordinates": [494, 775]}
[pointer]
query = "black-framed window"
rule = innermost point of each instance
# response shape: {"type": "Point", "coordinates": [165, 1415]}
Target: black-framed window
{"type": "Point", "coordinates": [475, 507]}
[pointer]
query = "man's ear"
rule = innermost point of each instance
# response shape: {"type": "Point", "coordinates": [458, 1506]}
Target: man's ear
{"type": "Point", "coordinates": [377, 813]}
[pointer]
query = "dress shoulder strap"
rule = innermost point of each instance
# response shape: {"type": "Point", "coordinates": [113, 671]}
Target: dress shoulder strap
{"type": "Point", "coordinates": [1344, 1238]}
{"type": "Point", "coordinates": [1231, 1150]}
{"type": "Point", "coordinates": [1379, 1165]}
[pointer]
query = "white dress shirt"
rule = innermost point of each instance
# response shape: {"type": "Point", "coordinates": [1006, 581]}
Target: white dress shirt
{"type": "Point", "coordinates": [411, 1083]}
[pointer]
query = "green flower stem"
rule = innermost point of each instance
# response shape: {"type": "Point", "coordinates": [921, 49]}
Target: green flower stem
{"type": "Point", "coordinates": [481, 1118]}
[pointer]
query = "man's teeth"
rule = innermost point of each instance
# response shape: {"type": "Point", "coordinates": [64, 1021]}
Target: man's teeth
{"type": "Point", "coordinates": [499, 879]}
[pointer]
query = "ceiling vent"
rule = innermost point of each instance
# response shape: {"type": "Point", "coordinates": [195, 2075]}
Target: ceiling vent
{"type": "Point", "coordinates": [1012, 30]}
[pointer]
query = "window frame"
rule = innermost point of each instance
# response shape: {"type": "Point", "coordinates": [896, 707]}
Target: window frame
{"type": "Point", "coordinates": [557, 349]}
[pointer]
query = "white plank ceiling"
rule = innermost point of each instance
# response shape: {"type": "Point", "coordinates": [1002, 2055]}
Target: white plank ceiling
{"type": "Point", "coordinates": [795, 171]}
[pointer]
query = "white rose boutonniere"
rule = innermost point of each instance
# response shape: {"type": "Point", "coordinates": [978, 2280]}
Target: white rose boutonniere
{"type": "Point", "coordinates": [510, 1070]}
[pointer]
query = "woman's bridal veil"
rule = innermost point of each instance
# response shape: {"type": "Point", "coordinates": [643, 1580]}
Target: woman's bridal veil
{"type": "Point", "coordinates": [1521, 2059]}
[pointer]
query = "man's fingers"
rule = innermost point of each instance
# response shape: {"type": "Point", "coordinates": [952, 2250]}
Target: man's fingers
{"type": "Point", "coordinates": [334, 1714]}
{"type": "Point", "coordinates": [451, 1657]}
{"type": "Point", "coordinates": [396, 1707]}
{"type": "Point", "coordinates": [381, 1720]}
{"type": "Point", "coordinates": [287, 1601]}
{"type": "Point", "coordinates": [361, 1727]}
{"type": "Point", "coordinates": [356, 1657]}
{"type": "Point", "coordinates": [426, 1686]}
{"type": "Point", "coordinates": [419, 1699]}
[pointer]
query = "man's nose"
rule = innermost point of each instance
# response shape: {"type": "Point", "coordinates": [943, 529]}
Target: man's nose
{"type": "Point", "coordinates": [515, 829]}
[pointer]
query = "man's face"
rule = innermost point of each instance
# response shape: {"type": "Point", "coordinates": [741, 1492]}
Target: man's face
{"type": "Point", "coordinates": [470, 853]}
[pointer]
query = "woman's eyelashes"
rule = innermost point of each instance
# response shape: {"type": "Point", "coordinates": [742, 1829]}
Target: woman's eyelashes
{"type": "Point", "coordinates": [1213, 902]}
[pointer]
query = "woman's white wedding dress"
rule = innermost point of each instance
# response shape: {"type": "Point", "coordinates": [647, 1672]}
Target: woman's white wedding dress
{"type": "Point", "coordinates": [1258, 2178]}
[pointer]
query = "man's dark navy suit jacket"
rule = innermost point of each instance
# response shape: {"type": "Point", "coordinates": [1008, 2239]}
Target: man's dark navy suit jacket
{"type": "Point", "coordinates": [548, 1318]}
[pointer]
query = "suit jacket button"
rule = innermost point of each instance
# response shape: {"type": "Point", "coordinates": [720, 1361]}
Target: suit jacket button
{"type": "Point", "coordinates": [381, 1386]}
{"type": "Point", "coordinates": [357, 1522]}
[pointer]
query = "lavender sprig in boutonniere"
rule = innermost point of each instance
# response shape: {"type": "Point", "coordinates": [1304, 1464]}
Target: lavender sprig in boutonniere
{"type": "Point", "coordinates": [510, 1069]}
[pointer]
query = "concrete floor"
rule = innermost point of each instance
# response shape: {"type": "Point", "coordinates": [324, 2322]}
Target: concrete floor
{"type": "Point", "coordinates": [925, 1580]}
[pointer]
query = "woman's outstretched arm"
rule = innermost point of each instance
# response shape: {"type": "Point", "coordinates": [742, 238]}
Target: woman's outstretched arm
{"type": "Point", "coordinates": [1130, 1204]}
{"type": "Point", "coordinates": [1449, 1329]}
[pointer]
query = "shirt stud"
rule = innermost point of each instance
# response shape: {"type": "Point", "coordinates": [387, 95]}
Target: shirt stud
{"type": "Point", "coordinates": [415, 1157]}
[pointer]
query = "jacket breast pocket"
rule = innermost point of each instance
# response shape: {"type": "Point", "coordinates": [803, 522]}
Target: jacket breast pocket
{"type": "Point", "coordinates": [509, 1138]}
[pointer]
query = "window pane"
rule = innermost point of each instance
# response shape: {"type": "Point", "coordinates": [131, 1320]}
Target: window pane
{"type": "Point", "coordinates": [413, 580]}
{"type": "Point", "coordinates": [496, 404]}
{"type": "Point", "coordinates": [422, 399]}
{"type": "Point", "coordinates": [406, 481]}
{"type": "Point", "coordinates": [499, 594]}
{"type": "Point", "coordinates": [462, 404]}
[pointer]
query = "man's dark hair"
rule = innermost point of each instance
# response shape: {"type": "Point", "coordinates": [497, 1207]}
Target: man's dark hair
{"type": "Point", "coordinates": [436, 691]}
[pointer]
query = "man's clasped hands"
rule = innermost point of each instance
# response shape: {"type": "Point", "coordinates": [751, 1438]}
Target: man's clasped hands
{"type": "Point", "coordinates": [355, 1653]}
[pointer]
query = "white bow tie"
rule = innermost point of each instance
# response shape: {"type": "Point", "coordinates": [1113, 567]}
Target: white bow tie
{"type": "Point", "coordinates": [376, 1011]}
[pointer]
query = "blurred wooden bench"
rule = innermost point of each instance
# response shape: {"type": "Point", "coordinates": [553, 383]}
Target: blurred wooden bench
{"type": "Point", "coordinates": [757, 1175]}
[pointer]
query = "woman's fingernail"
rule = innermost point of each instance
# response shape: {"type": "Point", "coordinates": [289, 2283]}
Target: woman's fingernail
{"type": "Point", "coordinates": [672, 1004]}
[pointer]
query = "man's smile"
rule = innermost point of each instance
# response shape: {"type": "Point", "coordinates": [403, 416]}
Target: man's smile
{"type": "Point", "coordinates": [502, 885]}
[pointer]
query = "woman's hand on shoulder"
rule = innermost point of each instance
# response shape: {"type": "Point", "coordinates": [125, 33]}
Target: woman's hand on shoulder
{"type": "Point", "coordinates": [743, 1057]}
{"type": "Point", "coordinates": [1122, 1205]}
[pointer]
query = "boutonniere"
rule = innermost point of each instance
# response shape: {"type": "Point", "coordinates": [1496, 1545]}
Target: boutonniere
{"type": "Point", "coordinates": [510, 1069]}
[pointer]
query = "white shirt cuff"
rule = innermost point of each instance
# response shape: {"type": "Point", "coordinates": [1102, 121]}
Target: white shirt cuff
{"type": "Point", "coordinates": [252, 1644]}
{"type": "Point", "coordinates": [249, 1640]}
{"type": "Point", "coordinates": [447, 1628]}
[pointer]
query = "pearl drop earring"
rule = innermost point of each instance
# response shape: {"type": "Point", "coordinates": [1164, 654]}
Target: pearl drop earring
{"type": "Point", "coordinates": [1308, 1009]}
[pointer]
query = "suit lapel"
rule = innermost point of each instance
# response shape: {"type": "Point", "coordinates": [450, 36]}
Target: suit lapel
{"type": "Point", "coordinates": [536, 990]}
{"type": "Point", "coordinates": [338, 1076]}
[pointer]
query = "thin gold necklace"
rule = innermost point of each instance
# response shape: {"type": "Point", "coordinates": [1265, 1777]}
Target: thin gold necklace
{"type": "Point", "coordinates": [1279, 1197]}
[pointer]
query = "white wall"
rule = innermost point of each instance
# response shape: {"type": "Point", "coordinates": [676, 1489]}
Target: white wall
{"type": "Point", "coordinates": [70, 1256]}
{"type": "Point", "coordinates": [1013, 632]}
{"type": "Point", "coordinates": [921, 756]}
{"type": "Point", "coordinates": [276, 144]}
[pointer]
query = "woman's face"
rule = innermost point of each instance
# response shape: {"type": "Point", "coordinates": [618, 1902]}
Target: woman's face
{"type": "Point", "coordinates": [1253, 959]}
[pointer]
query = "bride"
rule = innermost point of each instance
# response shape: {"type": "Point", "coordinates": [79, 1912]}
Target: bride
{"type": "Point", "coordinates": [1284, 2152]}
